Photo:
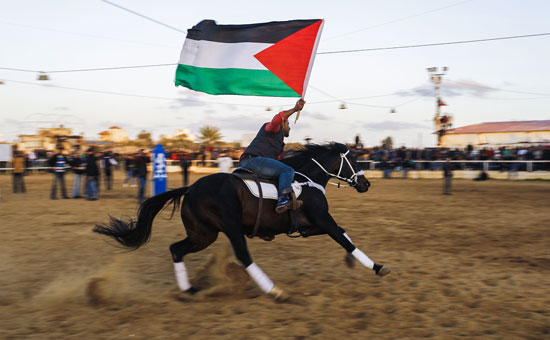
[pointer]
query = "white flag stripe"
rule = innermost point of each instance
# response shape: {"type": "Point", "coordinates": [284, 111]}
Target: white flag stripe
{"type": "Point", "coordinates": [209, 54]}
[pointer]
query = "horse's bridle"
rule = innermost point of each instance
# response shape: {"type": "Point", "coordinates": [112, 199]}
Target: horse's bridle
{"type": "Point", "coordinates": [351, 181]}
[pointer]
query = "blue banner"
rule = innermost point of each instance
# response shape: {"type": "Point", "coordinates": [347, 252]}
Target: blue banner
{"type": "Point", "coordinates": [159, 170]}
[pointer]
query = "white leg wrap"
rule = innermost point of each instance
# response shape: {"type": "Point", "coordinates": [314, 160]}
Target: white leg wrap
{"type": "Point", "coordinates": [181, 276]}
{"type": "Point", "coordinates": [260, 278]}
{"type": "Point", "coordinates": [362, 258]}
{"type": "Point", "coordinates": [349, 239]}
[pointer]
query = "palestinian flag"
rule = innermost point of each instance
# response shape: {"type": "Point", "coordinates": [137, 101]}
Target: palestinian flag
{"type": "Point", "coordinates": [267, 59]}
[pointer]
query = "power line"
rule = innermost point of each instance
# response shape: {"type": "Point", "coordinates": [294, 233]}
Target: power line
{"type": "Point", "coordinates": [113, 68]}
{"type": "Point", "coordinates": [328, 52]}
{"type": "Point", "coordinates": [90, 69]}
{"type": "Point", "coordinates": [435, 44]}
{"type": "Point", "coordinates": [143, 16]}
{"type": "Point", "coordinates": [85, 34]}
{"type": "Point", "coordinates": [129, 95]}
{"type": "Point", "coordinates": [395, 20]}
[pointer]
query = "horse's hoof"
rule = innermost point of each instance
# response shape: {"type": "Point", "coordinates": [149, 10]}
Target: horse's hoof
{"type": "Point", "coordinates": [278, 294]}
{"type": "Point", "coordinates": [350, 260]}
{"type": "Point", "coordinates": [192, 291]}
{"type": "Point", "coordinates": [383, 271]}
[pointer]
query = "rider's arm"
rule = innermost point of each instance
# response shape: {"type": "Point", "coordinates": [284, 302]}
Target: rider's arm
{"type": "Point", "coordinates": [275, 124]}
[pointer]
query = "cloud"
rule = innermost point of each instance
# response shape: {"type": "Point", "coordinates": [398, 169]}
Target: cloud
{"type": "Point", "coordinates": [191, 99]}
{"type": "Point", "coordinates": [317, 115]}
{"type": "Point", "coordinates": [451, 88]}
{"type": "Point", "coordinates": [389, 125]}
{"type": "Point", "coordinates": [187, 99]}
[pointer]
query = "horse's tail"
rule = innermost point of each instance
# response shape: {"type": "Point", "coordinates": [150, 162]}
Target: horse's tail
{"type": "Point", "coordinates": [132, 233]}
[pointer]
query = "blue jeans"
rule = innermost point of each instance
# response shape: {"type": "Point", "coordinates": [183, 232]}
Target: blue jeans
{"type": "Point", "coordinates": [91, 187]}
{"type": "Point", "coordinates": [76, 185]}
{"type": "Point", "coordinates": [58, 177]}
{"type": "Point", "coordinates": [142, 183]}
{"type": "Point", "coordinates": [271, 168]}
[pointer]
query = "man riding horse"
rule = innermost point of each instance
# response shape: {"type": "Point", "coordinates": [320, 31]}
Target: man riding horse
{"type": "Point", "coordinates": [264, 152]}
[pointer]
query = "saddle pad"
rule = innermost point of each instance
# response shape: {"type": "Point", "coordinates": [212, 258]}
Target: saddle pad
{"type": "Point", "coordinates": [269, 190]}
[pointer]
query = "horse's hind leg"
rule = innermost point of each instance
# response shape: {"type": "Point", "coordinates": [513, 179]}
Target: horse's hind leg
{"type": "Point", "coordinates": [184, 247]}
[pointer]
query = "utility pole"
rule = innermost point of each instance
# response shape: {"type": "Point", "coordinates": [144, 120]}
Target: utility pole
{"type": "Point", "coordinates": [442, 123]}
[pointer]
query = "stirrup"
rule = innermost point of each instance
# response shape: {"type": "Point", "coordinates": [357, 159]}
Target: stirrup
{"type": "Point", "coordinates": [281, 208]}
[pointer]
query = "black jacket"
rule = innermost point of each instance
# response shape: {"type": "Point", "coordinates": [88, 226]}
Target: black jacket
{"type": "Point", "coordinates": [91, 166]}
{"type": "Point", "coordinates": [266, 144]}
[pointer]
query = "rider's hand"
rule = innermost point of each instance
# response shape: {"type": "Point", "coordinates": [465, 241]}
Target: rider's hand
{"type": "Point", "coordinates": [299, 104]}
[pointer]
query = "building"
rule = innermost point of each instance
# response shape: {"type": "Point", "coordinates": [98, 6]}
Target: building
{"type": "Point", "coordinates": [498, 134]}
{"type": "Point", "coordinates": [49, 139]}
{"type": "Point", "coordinates": [113, 134]}
{"type": "Point", "coordinates": [181, 133]}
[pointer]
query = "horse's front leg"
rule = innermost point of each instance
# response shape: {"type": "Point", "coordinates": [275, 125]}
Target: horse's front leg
{"type": "Point", "coordinates": [327, 223]}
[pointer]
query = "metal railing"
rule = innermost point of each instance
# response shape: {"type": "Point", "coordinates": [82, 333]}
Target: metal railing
{"type": "Point", "coordinates": [486, 165]}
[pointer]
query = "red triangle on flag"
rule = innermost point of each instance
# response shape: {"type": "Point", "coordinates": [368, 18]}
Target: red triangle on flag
{"type": "Point", "coordinates": [289, 59]}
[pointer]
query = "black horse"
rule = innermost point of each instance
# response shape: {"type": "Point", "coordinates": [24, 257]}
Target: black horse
{"type": "Point", "coordinates": [222, 203]}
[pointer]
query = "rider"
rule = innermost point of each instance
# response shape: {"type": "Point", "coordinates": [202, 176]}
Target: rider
{"type": "Point", "coordinates": [264, 152]}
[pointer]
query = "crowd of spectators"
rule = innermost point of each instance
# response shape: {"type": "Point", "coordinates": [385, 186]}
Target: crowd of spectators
{"type": "Point", "coordinates": [432, 158]}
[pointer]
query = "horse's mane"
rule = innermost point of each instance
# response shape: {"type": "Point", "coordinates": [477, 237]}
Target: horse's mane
{"type": "Point", "coordinates": [296, 157]}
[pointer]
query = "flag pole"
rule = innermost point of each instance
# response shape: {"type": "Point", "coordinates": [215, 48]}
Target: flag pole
{"type": "Point", "coordinates": [298, 113]}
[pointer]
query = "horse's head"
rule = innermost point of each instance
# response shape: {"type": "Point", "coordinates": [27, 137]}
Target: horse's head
{"type": "Point", "coordinates": [335, 160]}
{"type": "Point", "coordinates": [348, 169]}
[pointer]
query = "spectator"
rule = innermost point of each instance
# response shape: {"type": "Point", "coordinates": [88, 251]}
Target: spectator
{"type": "Point", "coordinates": [18, 173]}
{"type": "Point", "coordinates": [129, 167]}
{"type": "Point", "coordinates": [224, 163]}
{"type": "Point", "coordinates": [78, 164]}
{"type": "Point", "coordinates": [92, 173]}
{"type": "Point", "coordinates": [447, 176]}
{"type": "Point", "coordinates": [141, 162]}
{"type": "Point", "coordinates": [107, 163]}
{"type": "Point", "coordinates": [185, 164]}
{"type": "Point", "coordinates": [58, 163]}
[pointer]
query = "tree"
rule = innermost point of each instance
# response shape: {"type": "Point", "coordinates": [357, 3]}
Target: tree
{"type": "Point", "coordinates": [387, 143]}
{"type": "Point", "coordinates": [144, 139]}
{"type": "Point", "coordinates": [180, 141]}
{"type": "Point", "coordinates": [210, 135]}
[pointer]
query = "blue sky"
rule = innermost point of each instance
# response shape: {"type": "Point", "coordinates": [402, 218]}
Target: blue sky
{"type": "Point", "coordinates": [82, 34]}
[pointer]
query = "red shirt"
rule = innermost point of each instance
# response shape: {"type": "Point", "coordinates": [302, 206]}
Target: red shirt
{"type": "Point", "coordinates": [276, 122]}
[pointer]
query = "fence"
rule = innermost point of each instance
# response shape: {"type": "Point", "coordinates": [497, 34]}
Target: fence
{"type": "Point", "coordinates": [419, 168]}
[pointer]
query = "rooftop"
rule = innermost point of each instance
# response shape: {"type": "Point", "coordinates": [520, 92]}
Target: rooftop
{"type": "Point", "coordinates": [492, 127]}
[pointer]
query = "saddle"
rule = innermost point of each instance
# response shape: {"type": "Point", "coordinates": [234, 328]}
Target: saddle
{"type": "Point", "coordinates": [265, 188]}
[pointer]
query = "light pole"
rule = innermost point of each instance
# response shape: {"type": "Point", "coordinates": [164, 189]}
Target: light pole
{"type": "Point", "coordinates": [441, 122]}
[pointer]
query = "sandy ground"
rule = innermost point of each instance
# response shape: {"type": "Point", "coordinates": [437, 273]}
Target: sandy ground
{"type": "Point", "coordinates": [473, 265]}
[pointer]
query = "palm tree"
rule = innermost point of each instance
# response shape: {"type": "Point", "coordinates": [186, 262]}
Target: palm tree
{"type": "Point", "coordinates": [210, 135]}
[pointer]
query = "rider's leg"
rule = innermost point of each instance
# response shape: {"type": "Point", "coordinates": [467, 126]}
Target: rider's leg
{"type": "Point", "coordinates": [272, 168]}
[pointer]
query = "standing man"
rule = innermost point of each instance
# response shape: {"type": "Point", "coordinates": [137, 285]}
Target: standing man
{"type": "Point", "coordinates": [141, 173]}
{"type": "Point", "coordinates": [447, 176]}
{"type": "Point", "coordinates": [225, 163]}
{"type": "Point", "coordinates": [107, 162]}
{"type": "Point", "coordinates": [58, 163]}
{"type": "Point", "coordinates": [264, 152]}
{"type": "Point", "coordinates": [78, 165]}
{"type": "Point", "coordinates": [129, 169]}
{"type": "Point", "coordinates": [18, 173]}
{"type": "Point", "coordinates": [185, 164]}
{"type": "Point", "coordinates": [92, 171]}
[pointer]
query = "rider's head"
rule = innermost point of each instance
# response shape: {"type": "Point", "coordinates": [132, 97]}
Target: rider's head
{"type": "Point", "coordinates": [286, 128]}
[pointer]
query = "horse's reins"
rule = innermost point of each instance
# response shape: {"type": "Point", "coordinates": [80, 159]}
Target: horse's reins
{"type": "Point", "coordinates": [351, 181]}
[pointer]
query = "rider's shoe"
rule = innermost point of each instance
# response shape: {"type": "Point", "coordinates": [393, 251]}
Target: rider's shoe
{"type": "Point", "coordinates": [284, 204]}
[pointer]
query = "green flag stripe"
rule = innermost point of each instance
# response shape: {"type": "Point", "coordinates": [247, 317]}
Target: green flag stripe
{"type": "Point", "coordinates": [232, 81]}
